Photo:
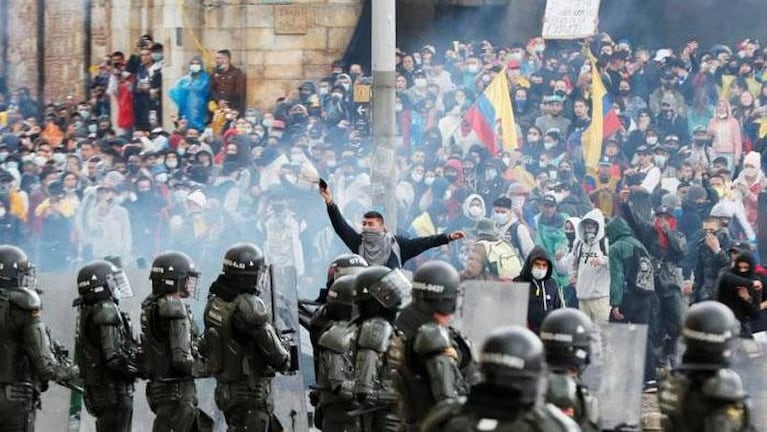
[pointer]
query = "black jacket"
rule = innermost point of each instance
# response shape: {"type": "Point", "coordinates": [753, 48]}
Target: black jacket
{"type": "Point", "coordinates": [544, 294]}
{"type": "Point", "coordinates": [729, 282]}
{"type": "Point", "coordinates": [707, 264]}
{"type": "Point", "coordinates": [409, 247]}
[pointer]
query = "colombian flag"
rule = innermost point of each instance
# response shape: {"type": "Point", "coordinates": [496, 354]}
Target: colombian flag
{"type": "Point", "coordinates": [492, 118]}
{"type": "Point", "coordinates": [604, 119]}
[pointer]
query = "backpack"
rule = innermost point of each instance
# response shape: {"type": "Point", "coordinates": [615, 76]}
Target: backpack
{"type": "Point", "coordinates": [503, 259]}
{"type": "Point", "coordinates": [642, 270]}
{"type": "Point", "coordinates": [578, 249]}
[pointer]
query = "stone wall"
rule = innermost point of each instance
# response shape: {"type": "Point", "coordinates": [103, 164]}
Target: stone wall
{"type": "Point", "coordinates": [278, 43]}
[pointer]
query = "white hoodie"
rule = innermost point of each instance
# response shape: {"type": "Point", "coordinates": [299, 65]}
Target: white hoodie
{"type": "Point", "coordinates": [590, 261]}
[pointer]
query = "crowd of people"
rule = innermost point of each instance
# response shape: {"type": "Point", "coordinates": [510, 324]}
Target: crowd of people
{"type": "Point", "coordinates": [673, 204]}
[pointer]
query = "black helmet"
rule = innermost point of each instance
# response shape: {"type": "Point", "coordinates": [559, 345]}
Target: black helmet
{"type": "Point", "coordinates": [340, 302]}
{"type": "Point", "coordinates": [436, 284]}
{"type": "Point", "coordinates": [102, 280]}
{"type": "Point", "coordinates": [566, 335]}
{"type": "Point", "coordinates": [15, 269]}
{"type": "Point", "coordinates": [243, 259]}
{"type": "Point", "coordinates": [342, 291]}
{"type": "Point", "coordinates": [346, 264]}
{"type": "Point", "coordinates": [386, 286]}
{"type": "Point", "coordinates": [710, 332]}
{"type": "Point", "coordinates": [512, 358]}
{"type": "Point", "coordinates": [174, 272]}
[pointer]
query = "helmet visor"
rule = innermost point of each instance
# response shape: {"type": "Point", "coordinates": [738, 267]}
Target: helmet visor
{"type": "Point", "coordinates": [29, 279]}
{"type": "Point", "coordinates": [392, 289]}
{"type": "Point", "coordinates": [121, 287]}
{"type": "Point", "coordinates": [190, 287]}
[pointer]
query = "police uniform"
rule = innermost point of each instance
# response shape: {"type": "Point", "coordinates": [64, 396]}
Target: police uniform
{"type": "Point", "coordinates": [434, 363]}
{"type": "Point", "coordinates": [106, 350]}
{"type": "Point", "coordinates": [243, 349]}
{"type": "Point", "coordinates": [378, 292]}
{"type": "Point", "coordinates": [27, 361]}
{"type": "Point", "coordinates": [168, 340]}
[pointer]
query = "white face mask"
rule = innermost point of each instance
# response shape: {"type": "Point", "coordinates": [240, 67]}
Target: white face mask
{"type": "Point", "coordinates": [501, 219]}
{"type": "Point", "coordinates": [428, 181]}
{"type": "Point", "coordinates": [472, 68]}
{"type": "Point", "coordinates": [172, 164]}
{"type": "Point", "coordinates": [475, 211]}
{"type": "Point", "coordinates": [416, 177]}
{"type": "Point", "coordinates": [751, 172]}
{"type": "Point", "coordinates": [2, 212]}
{"type": "Point", "coordinates": [518, 202]}
{"type": "Point", "coordinates": [398, 107]}
{"type": "Point", "coordinates": [195, 68]}
{"type": "Point", "coordinates": [420, 82]}
{"type": "Point", "coordinates": [652, 140]}
{"type": "Point", "coordinates": [538, 273]}
{"type": "Point", "coordinates": [660, 160]}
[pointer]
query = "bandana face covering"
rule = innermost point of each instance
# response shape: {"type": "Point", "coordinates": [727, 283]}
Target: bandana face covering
{"type": "Point", "coordinates": [376, 247]}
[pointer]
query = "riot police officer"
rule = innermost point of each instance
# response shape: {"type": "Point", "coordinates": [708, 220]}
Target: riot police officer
{"type": "Point", "coordinates": [106, 350]}
{"type": "Point", "coordinates": [703, 393]}
{"type": "Point", "coordinates": [343, 265]}
{"type": "Point", "coordinates": [169, 340]}
{"type": "Point", "coordinates": [513, 365]}
{"type": "Point", "coordinates": [335, 372]}
{"type": "Point", "coordinates": [27, 361]}
{"type": "Point", "coordinates": [378, 294]}
{"type": "Point", "coordinates": [566, 335]}
{"type": "Point", "coordinates": [433, 360]}
{"type": "Point", "coordinates": [243, 349]}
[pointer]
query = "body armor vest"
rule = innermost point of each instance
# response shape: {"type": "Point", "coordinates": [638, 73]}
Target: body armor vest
{"type": "Point", "coordinates": [226, 355]}
{"type": "Point", "coordinates": [14, 364]}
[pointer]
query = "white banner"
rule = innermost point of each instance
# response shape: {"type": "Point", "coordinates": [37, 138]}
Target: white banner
{"type": "Point", "coordinates": [570, 19]}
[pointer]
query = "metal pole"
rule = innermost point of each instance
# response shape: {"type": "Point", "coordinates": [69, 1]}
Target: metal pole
{"type": "Point", "coordinates": [383, 176]}
{"type": "Point", "coordinates": [6, 34]}
{"type": "Point", "coordinates": [87, 47]}
{"type": "Point", "coordinates": [41, 54]}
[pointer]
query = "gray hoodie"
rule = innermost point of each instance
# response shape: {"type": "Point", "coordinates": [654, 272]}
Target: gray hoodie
{"type": "Point", "coordinates": [590, 260]}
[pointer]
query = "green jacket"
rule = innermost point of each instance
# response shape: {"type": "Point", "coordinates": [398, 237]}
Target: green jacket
{"type": "Point", "coordinates": [622, 245]}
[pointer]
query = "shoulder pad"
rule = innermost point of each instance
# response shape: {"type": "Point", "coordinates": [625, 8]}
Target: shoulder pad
{"type": "Point", "coordinates": [440, 414]}
{"type": "Point", "coordinates": [565, 423]}
{"type": "Point", "coordinates": [106, 313]}
{"type": "Point", "coordinates": [431, 339]}
{"type": "Point", "coordinates": [251, 310]}
{"type": "Point", "coordinates": [375, 334]}
{"type": "Point", "coordinates": [25, 299]}
{"type": "Point", "coordinates": [337, 338]}
{"type": "Point", "coordinates": [725, 385]}
{"type": "Point", "coordinates": [562, 391]}
{"type": "Point", "coordinates": [171, 307]}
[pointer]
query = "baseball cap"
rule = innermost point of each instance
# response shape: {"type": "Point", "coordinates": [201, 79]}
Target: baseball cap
{"type": "Point", "coordinates": [549, 200]}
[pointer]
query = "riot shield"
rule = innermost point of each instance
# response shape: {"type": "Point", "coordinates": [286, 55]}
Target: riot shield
{"type": "Point", "coordinates": [617, 375]}
{"type": "Point", "coordinates": [486, 305]}
{"type": "Point", "coordinates": [279, 292]}
{"type": "Point", "coordinates": [62, 412]}
{"type": "Point", "coordinates": [750, 362]}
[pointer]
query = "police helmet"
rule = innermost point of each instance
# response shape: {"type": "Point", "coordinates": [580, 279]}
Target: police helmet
{"type": "Point", "coordinates": [102, 280]}
{"type": "Point", "coordinates": [342, 291]}
{"type": "Point", "coordinates": [15, 269]}
{"type": "Point", "coordinates": [174, 272]}
{"type": "Point", "coordinates": [436, 285]}
{"type": "Point", "coordinates": [512, 358]}
{"type": "Point", "coordinates": [710, 332]}
{"type": "Point", "coordinates": [386, 286]}
{"type": "Point", "coordinates": [345, 264]}
{"type": "Point", "coordinates": [243, 259]}
{"type": "Point", "coordinates": [566, 335]}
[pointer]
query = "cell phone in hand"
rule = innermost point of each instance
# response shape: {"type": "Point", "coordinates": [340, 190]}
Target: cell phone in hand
{"type": "Point", "coordinates": [323, 184]}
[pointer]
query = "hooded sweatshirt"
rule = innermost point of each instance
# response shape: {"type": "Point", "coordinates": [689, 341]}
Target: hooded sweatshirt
{"type": "Point", "coordinates": [729, 283]}
{"type": "Point", "coordinates": [590, 259]}
{"type": "Point", "coordinates": [544, 293]}
{"type": "Point", "coordinates": [623, 246]}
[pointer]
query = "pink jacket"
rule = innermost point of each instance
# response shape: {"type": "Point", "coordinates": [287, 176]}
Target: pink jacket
{"type": "Point", "coordinates": [726, 136]}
